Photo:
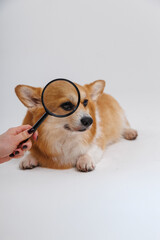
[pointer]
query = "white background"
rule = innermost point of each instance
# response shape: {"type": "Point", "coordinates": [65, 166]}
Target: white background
{"type": "Point", "coordinates": [118, 41]}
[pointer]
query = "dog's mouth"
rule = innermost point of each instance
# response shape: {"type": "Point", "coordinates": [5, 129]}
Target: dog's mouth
{"type": "Point", "coordinates": [80, 129]}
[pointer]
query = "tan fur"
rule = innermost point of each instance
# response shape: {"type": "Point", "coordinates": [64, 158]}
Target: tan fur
{"type": "Point", "coordinates": [60, 148]}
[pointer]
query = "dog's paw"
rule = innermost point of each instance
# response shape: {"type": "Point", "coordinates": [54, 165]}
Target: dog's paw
{"type": "Point", "coordinates": [130, 134]}
{"type": "Point", "coordinates": [29, 162]}
{"type": "Point", "coordinates": [85, 164]}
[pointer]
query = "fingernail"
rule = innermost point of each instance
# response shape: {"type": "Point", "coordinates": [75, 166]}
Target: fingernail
{"type": "Point", "coordinates": [31, 130]}
{"type": "Point", "coordinates": [11, 155]}
{"type": "Point", "coordinates": [24, 147]}
{"type": "Point", "coordinates": [16, 152]}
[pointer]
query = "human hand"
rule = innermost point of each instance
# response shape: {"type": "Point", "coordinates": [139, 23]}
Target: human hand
{"type": "Point", "coordinates": [10, 140]}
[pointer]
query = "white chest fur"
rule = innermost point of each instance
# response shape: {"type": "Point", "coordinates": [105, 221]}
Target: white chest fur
{"type": "Point", "coordinates": [69, 147]}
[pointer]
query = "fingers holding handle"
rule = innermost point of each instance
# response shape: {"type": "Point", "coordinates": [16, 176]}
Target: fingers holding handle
{"type": "Point", "coordinates": [23, 141]}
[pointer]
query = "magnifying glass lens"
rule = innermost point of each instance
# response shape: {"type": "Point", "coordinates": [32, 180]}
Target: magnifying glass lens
{"type": "Point", "coordinates": [60, 98]}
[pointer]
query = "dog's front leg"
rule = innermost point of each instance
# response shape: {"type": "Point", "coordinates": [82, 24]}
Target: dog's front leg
{"type": "Point", "coordinates": [28, 162]}
{"type": "Point", "coordinates": [87, 162]}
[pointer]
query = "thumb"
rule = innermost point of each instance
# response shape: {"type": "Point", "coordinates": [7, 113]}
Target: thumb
{"type": "Point", "coordinates": [23, 136]}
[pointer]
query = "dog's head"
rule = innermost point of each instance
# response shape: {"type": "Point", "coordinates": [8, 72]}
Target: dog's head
{"type": "Point", "coordinates": [79, 121]}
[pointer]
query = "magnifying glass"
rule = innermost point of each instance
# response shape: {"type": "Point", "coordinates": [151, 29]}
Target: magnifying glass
{"type": "Point", "coordinates": [60, 98]}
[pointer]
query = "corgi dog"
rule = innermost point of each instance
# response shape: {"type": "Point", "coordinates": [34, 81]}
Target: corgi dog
{"type": "Point", "coordinates": [80, 139]}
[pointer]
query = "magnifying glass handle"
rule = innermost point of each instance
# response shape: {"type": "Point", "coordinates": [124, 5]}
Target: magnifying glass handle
{"type": "Point", "coordinates": [38, 123]}
{"type": "Point", "coordinates": [32, 130]}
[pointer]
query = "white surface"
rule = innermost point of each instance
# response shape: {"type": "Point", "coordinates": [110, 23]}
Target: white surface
{"type": "Point", "coordinates": [84, 40]}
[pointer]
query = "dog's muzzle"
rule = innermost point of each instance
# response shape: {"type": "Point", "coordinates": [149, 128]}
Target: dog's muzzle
{"type": "Point", "coordinates": [85, 123]}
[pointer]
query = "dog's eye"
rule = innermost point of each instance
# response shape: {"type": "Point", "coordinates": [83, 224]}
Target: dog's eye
{"type": "Point", "coordinates": [85, 102]}
{"type": "Point", "coordinates": [67, 106]}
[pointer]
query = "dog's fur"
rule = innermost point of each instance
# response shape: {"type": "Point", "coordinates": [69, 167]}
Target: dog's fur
{"type": "Point", "coordinates": [62, 143]}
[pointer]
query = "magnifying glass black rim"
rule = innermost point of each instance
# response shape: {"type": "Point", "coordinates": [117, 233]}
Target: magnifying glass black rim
{"type": "Point", "coordinates": [57, 115]}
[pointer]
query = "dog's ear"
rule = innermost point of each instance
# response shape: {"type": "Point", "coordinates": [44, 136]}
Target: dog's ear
{"type": "Point", "coordinates": [96, 88]}
{"type": "Point", "coordinates": [29, 96]}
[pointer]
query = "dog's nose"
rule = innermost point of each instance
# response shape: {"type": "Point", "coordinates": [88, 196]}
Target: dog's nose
{"type": "Point", "coordinates": [86, 121]}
